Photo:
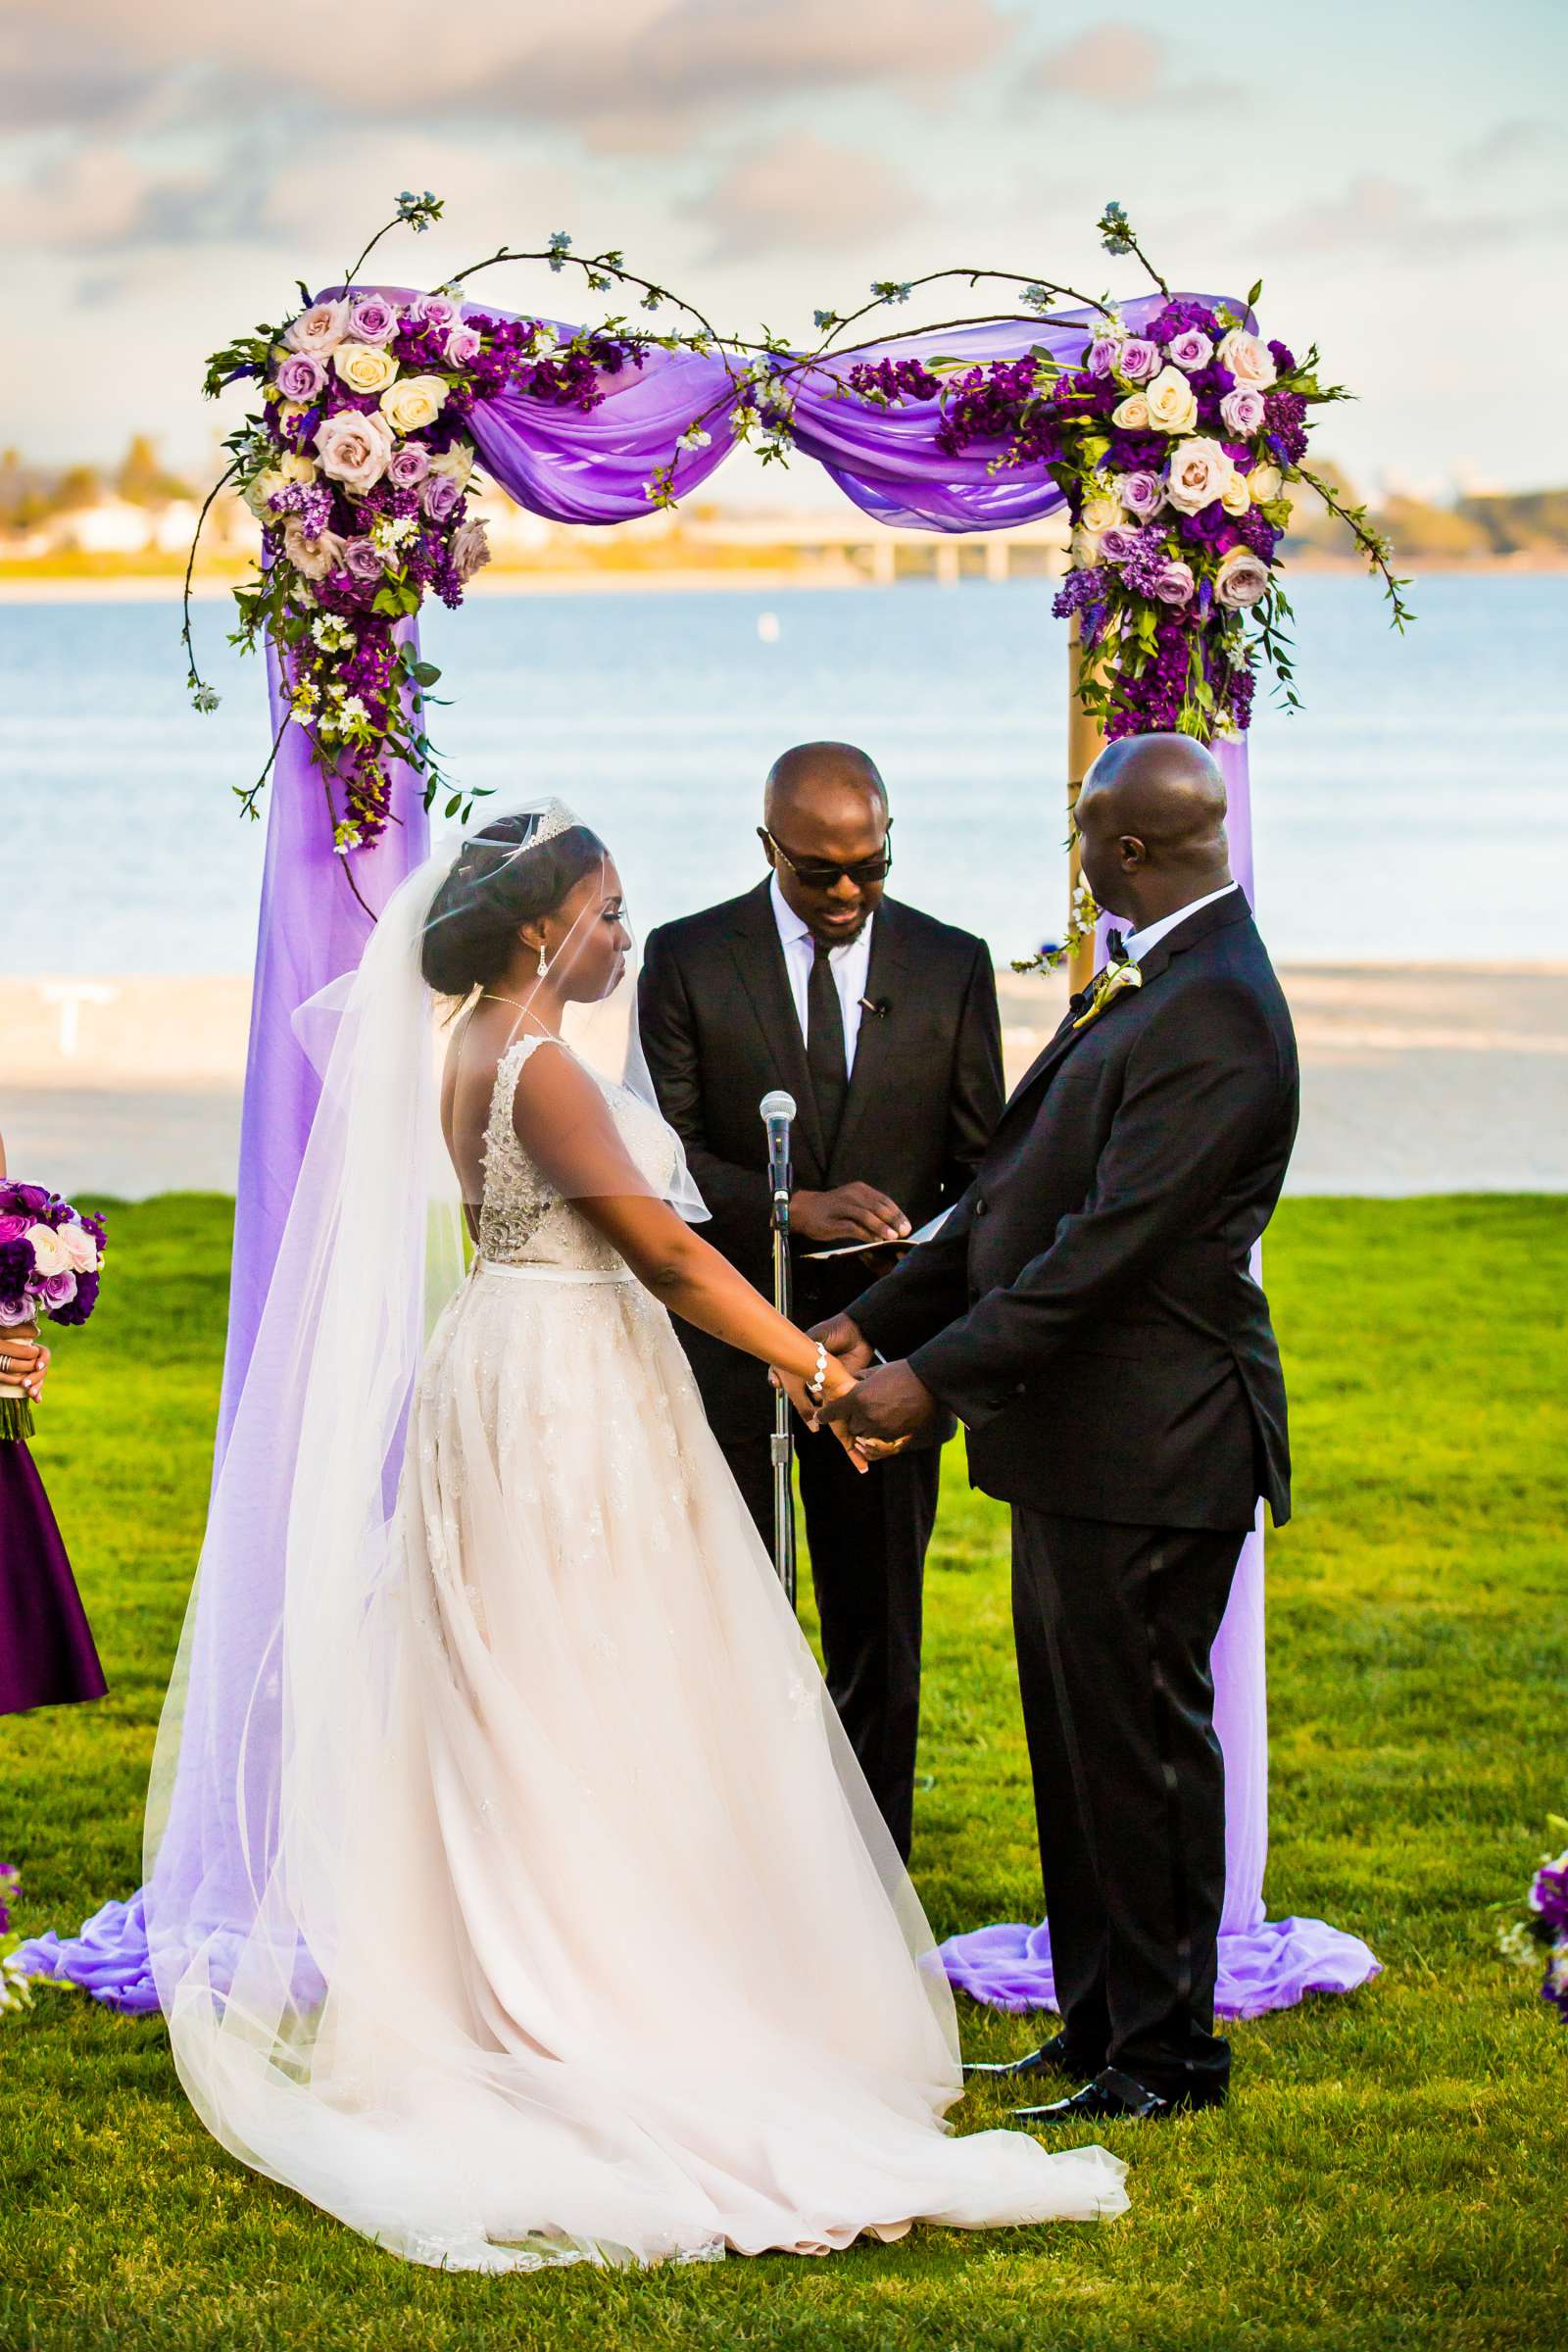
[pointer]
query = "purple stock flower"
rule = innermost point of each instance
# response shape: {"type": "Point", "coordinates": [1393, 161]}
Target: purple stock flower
{"type": "Point", "coordinates": [1283, 358]}
{"type": "Point", "coordinates": [301, 377]}
{"type": "Point", "coordinates": [17, 1267]}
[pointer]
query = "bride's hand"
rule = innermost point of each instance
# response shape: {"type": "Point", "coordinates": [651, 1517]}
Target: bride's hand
{"type": "Point", "coordinates": [836, 1383]}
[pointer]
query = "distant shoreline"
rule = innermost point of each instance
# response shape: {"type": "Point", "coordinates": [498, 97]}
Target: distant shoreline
{"type": "Point", "coordinates": [150, 587]}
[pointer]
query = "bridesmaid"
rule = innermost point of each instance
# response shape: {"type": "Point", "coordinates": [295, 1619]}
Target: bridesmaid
{"type": "Point", "coordinates": [47, 1657]}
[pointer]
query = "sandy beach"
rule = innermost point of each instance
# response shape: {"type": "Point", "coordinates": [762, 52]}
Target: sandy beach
{"type": "Point", "coordinates": [1415, 1078]}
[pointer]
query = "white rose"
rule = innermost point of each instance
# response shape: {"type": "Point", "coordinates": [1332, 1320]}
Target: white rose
{"type": "Point", "coordinates": [1247, 359]}
{"type": "Point", "coordinates": [1265, 482]}
{"type": "Point", "coordinates": [1241, 579]}
{"type": "Point", "coordinates": [458, 461]}
{"type": "Point", "coordinates": [365, 367]}
{"type": "Point", "coordinates": [1196, 474]}
{"type": "Point", "coordinates": [415, 403]}
{"type": "Point", "coordinates": [79, 1247]}
{"type": "Point", "coordinates": [1085, 550]}
{"type": "Point", "coordinates": [1172, 402]}
{"type": "Point", "coordinates": [47, 1248]}
{"type": "Point", "coordinates": [353, 450]}
{"type": "Point", "coordinates": [1132, 414]}
{"type": "Point", "coordinates": [1233, 494]}
{"type": "Point", "coordinates": [1102, 514]}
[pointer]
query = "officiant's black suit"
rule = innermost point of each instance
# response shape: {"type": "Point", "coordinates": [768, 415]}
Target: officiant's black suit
{"type": "Point", "coordinates": [1090, 1315]}
{"type": "Point", "coordinates": [720, 1031]}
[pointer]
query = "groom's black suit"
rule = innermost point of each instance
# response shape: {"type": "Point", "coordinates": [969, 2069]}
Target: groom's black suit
{"type": "Point", "coordinates": [1090, 1314]}
{"type": "Point", "coordinates": [719, 1029]}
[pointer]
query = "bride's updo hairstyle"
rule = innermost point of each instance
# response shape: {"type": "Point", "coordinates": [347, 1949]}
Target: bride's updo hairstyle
{"type": "Point", "coordinates": [492, 891]}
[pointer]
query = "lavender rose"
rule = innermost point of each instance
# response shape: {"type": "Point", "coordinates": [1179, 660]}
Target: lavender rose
{"type": "Point", "coordinates": [372, 319]}
{"type": "Point", "coordinates": [433, 309]}
{"type": "Point", "coordinates": [354, 448]}
{"type": "Point", "coordinates": [461, 346]}
{"type": "Point", "coordinates": [1118, 543]}
{"type": "Point", "coordinates": [1241, 580]}
{"type": "Point", "coordinates": [1141, 493]}
{"type": "Point", "coordinates": [1174, 584]}
{"type": "Point", "coordinates": [320, 329]}
{"type": "Point", "coordinates": [1242, 410]}
{"type": "Point", "coordinates": [1102, 356]}
{"type": "Point", "coordinates": [409, 465]}
{"type": "Point", "coordinates": [361, 560]}
{"type": "Point", "coordinates": [58, 1290]}
{"type": "Point", "coordinates": [301, 375]}
{"type": "Point", "coordinates": [470, 548]}
{"type": "Point", "coordinates": [1138, 361]}
{"type": "Point", "coordinates": [1190, 350]}
{"type": "Point", "coordinates": [440, 496]}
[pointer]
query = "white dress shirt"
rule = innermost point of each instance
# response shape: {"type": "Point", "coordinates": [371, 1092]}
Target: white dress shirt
{"type": "Point", "coordinates": [1137, 944]}
{"type": "Point", "coordinates": [851, 966]}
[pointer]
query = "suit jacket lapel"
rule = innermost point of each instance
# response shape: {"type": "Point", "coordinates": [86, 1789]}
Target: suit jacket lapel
{"type": "Point", "coordinates": [877, 1042]}
{"type": "Point", "coordinates": [759, 957]}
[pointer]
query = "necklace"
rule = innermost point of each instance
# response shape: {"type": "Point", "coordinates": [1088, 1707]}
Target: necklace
{"type": "Point", "coordinates": [489, 995]}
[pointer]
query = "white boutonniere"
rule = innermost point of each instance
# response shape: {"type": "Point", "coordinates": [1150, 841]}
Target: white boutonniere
{"type": "Point", "coordinates": [1113, 980]}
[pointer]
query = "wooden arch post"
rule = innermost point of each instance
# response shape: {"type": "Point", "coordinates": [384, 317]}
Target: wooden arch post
{"type": "Point", "coordinates": [1086, 740]}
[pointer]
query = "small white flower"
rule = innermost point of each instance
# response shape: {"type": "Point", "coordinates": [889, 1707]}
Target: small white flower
{"type": "Point", "coordinates": [695, 439]}
{"type": "Point", "coordinates": [743, 420]}
{"type": "Point", "coordinates": [353, 709]}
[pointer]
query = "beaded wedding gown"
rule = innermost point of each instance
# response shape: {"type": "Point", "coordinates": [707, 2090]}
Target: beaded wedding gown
{"type": "Point", "coordinates": [624, 1966]}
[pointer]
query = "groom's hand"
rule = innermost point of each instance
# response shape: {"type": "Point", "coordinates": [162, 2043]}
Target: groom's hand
{"type": "Point", "coordinates": [845, 1339]}
{"type": "Point", "coordinates": [885, 1411]}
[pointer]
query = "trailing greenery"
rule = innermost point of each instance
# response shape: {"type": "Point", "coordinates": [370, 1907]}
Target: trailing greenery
{"type": "Point", "coordinates": [1390, 2172]}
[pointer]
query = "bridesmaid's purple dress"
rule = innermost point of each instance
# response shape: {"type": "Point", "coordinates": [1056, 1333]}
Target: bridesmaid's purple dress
{"type": "Point", "coordinates": [47, 1655]}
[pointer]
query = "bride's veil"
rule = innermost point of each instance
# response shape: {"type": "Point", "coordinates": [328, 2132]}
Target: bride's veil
{"type": "Point", "coordinates": [290, 1707]}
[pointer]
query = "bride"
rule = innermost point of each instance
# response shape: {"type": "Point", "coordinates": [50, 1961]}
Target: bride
{"type": "Point", "coordinates": [541, 1913]}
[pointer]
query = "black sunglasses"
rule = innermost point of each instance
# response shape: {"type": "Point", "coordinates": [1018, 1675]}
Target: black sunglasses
{"type": "Point", "coordinates": [811, 876]}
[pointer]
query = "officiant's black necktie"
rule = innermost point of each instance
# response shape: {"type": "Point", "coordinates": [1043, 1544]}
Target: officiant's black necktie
{"type": "Point", "coordinates": [824, 1046]}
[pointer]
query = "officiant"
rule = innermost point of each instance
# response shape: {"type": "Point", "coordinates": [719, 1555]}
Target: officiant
{"type": "Point", "coordinates": [883, 1025]}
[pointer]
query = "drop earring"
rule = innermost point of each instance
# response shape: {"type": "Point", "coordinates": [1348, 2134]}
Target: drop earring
{"type": "Point", "coordinates": [544, 962]}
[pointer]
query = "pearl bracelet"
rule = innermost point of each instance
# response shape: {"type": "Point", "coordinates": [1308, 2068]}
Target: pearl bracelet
{"type": "Point", "coordinates": [816, 1386]}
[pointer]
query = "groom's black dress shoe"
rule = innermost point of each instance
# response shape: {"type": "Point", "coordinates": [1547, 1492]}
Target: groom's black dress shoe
{"type": "Point", "coordinates": [1113, 2097]}
{"type": "Point", "coordinates": [1052, 2058]}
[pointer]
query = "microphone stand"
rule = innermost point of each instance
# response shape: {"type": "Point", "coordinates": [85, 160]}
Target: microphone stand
{"type": "Point", "coordinates": [782, 1448]}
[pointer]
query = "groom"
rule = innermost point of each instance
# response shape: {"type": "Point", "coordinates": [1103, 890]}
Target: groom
{"type": "Point", "coordinates": [1089, 1313]}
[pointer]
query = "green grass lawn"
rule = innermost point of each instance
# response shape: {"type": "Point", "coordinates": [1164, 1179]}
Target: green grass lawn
{"type": "Point", "coordinates": [1392, 2168]}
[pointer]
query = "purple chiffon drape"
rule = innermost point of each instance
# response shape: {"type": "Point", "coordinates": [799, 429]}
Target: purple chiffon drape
{"type": "Point", "coordinates": [595, 466]}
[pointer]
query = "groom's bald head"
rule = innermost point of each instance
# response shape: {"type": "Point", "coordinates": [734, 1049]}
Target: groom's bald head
{"type": "Point", "coordinates": [1151, 820]}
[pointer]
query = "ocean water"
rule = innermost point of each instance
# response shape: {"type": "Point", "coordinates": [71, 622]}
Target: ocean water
{"type": "Point", "coordinates": [1416, 809]}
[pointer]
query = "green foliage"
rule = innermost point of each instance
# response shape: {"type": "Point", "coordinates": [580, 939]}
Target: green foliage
{"type": "Point", "coordinates": [1390, 2172]}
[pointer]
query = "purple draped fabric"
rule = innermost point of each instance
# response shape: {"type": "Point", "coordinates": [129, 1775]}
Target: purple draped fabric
{"type": "Point", "coordinates": [594, 467]}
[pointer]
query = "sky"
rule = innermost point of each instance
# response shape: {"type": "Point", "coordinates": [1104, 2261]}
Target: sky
{"type": "Point", "coordinates": [1393, 173]}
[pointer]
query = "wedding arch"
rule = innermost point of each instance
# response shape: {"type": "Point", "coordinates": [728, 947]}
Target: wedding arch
{"type": "Point", "coordinates": [1164, 425]}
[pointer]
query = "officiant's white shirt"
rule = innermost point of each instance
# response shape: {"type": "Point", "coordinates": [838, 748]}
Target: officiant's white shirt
{"type": "Point", "coordinates": [851, 966]}
{"type": "Point", "coordinates": [1137, 944]}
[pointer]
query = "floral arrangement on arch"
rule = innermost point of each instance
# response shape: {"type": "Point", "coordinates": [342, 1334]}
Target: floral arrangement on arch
{"type": "Point", "coordinates": [1174, 444]}
{"type": "Point", "coordinates": [356, 465]}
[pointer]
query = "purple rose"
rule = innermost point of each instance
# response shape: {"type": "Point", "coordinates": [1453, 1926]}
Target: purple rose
{"type": "Point", "coordinates": [433, 309]}
{"type": "Point", "coordinates": [1190, 350]}
{"type": "Point", "coordinates": [1242, 410]}
{"type": "Point", "coordinates": [462, 347]}
{"type": "Point", "coordinates": [1141, 493]}
{"type": "Point", "coordinates": [361, 559]}
{"type": "Point", "coordinates": [57, 1290]}
{"type": "Point", "coordinates": [440, 496]}
{"type": "Point", "coordinates": [1138, 361]}
{"type": "Point", "coordinates": [301, 377]}
{"type": "Point", "coordinates": [1118, 543]}
{"type": "Point", "coordinates": [11, 1229]}
{"type": "Point", "coordinates": [1174, 585]}
{"type": "Point", "coordinates": [373, 319]}
{"type": "Point", "coordinates": [81, 1307]}
{"type": "Point", "coordinates": [31, 1199]}
{"type": "Point", "coordinates": [1103, 357]}
{"type": "Point", "coordinates": [409, 467]}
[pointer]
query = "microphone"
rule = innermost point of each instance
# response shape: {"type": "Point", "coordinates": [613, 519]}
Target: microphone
{"type": "Point", "coordinates": [778, 1111]}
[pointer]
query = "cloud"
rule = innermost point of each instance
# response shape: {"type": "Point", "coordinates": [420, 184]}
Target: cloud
{"type": "Point", "coordinates": [1377, 218]}
{"type": "Point", "coordinates": [1123, 66]}
{"type": "Point", "coordinates": [50, 78]}
{"type": "Point", "coordinates": [803, 194]}
{"type": "Point", "coordinates": [1511, 146]}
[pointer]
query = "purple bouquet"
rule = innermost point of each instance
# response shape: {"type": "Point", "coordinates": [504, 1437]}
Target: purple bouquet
{"type": "Point", "coordinates": [1544, 1925]}
{"type": "Point", "coordinates": [51, 1263]}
